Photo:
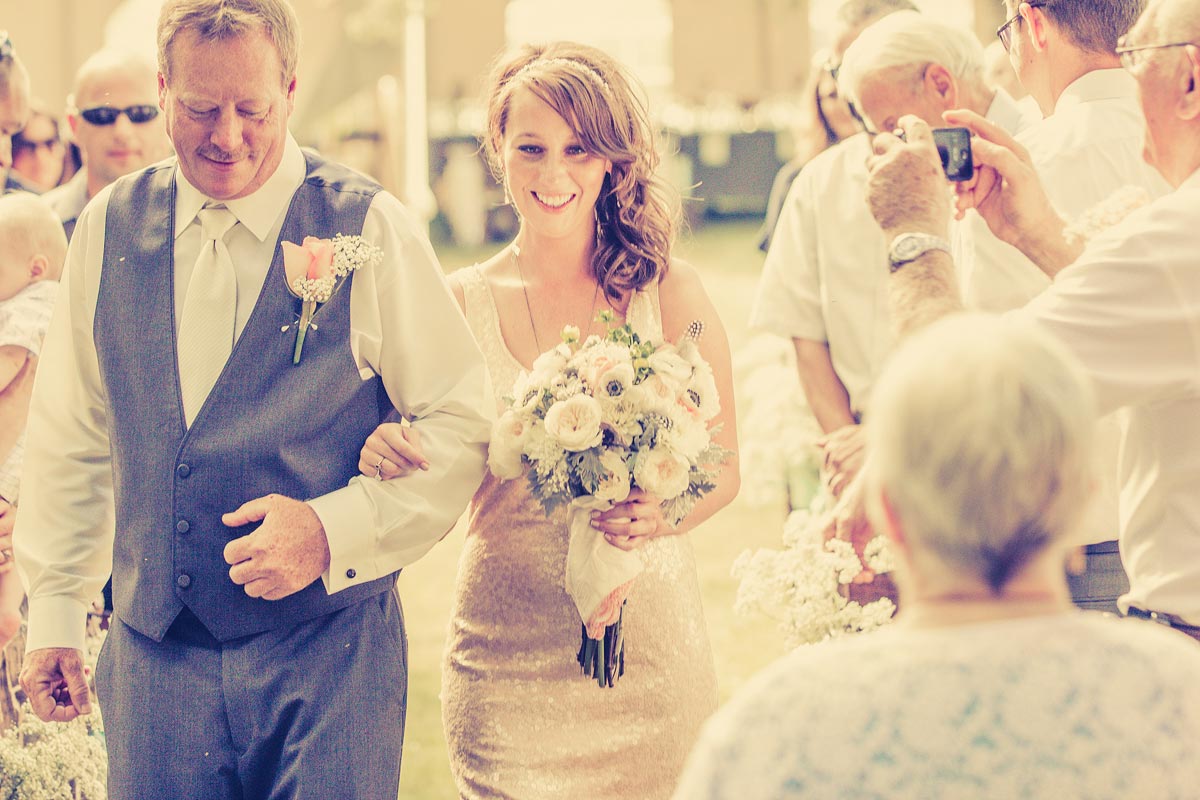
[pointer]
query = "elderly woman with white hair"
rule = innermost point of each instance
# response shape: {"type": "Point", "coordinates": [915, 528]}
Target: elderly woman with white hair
{"type": "Point", "coordinates": [989, 683]}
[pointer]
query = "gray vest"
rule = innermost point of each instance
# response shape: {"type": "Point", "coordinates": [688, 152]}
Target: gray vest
{"type": "Point", "coordinates": [267, 426]}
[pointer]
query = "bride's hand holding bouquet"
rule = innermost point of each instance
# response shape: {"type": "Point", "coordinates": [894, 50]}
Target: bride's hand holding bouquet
{"type": "Point", "coordinates": [616, 429]}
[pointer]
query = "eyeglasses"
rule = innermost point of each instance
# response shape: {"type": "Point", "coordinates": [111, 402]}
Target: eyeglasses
{"type": "Point", "coordinates": [1005, 31]}
{"type": "Point", "coordinates": [107, 115]}
{"type": "Point", "coordinates": [1132, 55]}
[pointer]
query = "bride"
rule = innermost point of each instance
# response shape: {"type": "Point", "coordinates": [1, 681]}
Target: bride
{"type": "Point", "coordinates": [570, 140]}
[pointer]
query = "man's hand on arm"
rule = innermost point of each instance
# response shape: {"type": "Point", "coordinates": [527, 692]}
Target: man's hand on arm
{"type": "Point", "coordinates": [1008, 194]}
{"type": "Point", "coordinates": [286, 553]}
{"type": "Point", "coordinates": [55, 681]}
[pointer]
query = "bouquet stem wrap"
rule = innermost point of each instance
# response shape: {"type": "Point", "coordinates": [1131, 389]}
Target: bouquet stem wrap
{"type": "Point", "coordinates": [598, 579]}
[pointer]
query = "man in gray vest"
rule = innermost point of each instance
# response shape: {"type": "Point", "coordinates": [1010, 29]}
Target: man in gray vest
{"type": "Point", "coordinates": [257, 647]}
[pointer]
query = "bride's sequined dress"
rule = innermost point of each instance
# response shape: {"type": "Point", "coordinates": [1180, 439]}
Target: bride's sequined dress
{"type": "Point", "coordinates": [521, 720]}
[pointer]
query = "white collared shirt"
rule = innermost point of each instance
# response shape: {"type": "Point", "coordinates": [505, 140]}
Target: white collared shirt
{"type": "Point", "coordinates": [824, 277]}
{"type": "Point", "coordinates": [405, 326]}
{"type": "Point", "coordinates": [1091, 145]}
{"type": "Point", "coordinates": [992, 274]}
{"type": "Point", "coordinates": [1129, 308]}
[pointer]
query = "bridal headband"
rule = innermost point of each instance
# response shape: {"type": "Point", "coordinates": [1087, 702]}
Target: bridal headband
{"type": "Point", "coordinates": [562, 62]}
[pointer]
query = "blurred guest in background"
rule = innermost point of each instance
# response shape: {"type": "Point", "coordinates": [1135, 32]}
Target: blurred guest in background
{"type": "Point", "coordinates": [827, 119]}
{"type": "Point", "coordinates": [38, 151]}
{"type": "Point", "coordinates": [114, 118]}
{"type": "Point", "coordinates": [812, 287]}
{"type": "Point", "coordinates": [14, 107]}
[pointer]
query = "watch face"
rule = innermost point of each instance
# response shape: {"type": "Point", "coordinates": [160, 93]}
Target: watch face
{"type": "Point", "coordinates": [909, 247]}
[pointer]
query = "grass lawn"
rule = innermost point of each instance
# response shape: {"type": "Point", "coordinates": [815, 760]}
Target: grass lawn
{"type": "Point", "coordinates": [730, 264]}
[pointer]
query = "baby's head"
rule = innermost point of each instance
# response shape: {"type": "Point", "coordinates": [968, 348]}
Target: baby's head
{"type": "Point", "coordinates": [33, 246]}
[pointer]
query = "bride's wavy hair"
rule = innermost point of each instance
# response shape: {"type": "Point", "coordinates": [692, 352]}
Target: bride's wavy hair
{"type": "Point", "coordinates": [637, 215]}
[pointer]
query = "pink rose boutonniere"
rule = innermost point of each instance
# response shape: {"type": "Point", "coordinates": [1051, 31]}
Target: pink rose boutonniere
{"type": "Point", "coordinates": [315, 269]}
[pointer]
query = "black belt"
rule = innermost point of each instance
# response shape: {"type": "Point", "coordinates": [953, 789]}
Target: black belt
{"type": "Point", "coordinates": [1170, 620]}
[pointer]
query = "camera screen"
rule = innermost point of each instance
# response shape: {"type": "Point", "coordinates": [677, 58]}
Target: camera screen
{"type": "Point", "coordinates": [954, 146]}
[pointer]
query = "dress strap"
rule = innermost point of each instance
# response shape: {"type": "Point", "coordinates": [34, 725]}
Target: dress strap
{"type": "Point", "coordinates": [644, 314]}
{"type": "Point", "coordinates": [478, 307]}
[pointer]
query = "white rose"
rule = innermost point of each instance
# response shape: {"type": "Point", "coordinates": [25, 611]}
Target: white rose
{"type": "Point", "coordinates": [508, 442]}
{"type": "Point", "coordinates": [575, 422]}
{"type": "Point", "coordinates": [614, 485]}
{"type": "Point", "coordinates": [670, 365]}
{"type": "Point", "coordinates": [662, 472]}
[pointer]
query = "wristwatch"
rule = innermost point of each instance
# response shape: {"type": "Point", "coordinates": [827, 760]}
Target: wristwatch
{"type": "Point", "coordinates": [910, 246]}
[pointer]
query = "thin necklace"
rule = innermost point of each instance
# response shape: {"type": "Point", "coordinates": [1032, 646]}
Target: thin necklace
{"type": "Point", "coordinates": [516, 252]}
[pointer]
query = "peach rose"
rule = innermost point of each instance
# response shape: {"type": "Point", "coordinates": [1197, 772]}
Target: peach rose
{"type": "Point", "coordinates": [313, 259]}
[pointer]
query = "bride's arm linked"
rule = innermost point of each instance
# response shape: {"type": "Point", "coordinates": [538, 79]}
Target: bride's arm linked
{"type": "Point", "coordinates": [393, 449]}
{"type": "Point", "coordinates": [683, 300]}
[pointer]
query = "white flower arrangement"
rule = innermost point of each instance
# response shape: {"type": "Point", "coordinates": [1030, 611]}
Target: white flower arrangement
{"type": "Point", "coordinates": [610, 414]}
{"type": "Point", "coordinates": [54, 760]}
{"type": "Point", "coordinates": [590, 423]}
{"type": "Point", "coordinates": [800, 587]}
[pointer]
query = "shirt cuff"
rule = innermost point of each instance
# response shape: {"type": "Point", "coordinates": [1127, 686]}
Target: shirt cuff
{"type": "Point", "coordinates": [346, 516]}
{"type": "Point", "coordinates": [56, 621]}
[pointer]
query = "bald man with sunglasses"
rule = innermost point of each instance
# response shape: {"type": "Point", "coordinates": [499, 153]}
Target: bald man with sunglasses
{"type": "Point", "coordinates": [114, 117]}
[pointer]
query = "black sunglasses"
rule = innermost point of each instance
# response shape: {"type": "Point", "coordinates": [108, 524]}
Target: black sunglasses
{"type": "Point", "coordinates": [1005, 30]}
{"type": "Point", "coordinates": [107, 115]}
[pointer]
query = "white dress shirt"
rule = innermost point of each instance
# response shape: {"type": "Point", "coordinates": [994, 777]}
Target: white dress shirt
{"type": "Point", "coordinates": [1091, 145]}
{"type": "Point", "coordinates": [824, 277]}
{"type": "Point", "coordinates": [1089, 148]}
{"type": "Point", "coordinates": [405, 326]}
{"type": "Point", "coordinates": [1129, 309]}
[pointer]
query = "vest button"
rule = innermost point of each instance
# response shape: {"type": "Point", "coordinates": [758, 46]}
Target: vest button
{"type": "Point", "coordinates": [183, 581]}
{"type": "Point", "coordinates": [183, 470]}
{"type": "Point", "coordinates": [183, 526]}
{"type": "Point", "coordinates": [351, 574]}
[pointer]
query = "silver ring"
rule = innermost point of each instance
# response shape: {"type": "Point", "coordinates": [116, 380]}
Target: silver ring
{"type": "Point", "coordinates": [379, 469]}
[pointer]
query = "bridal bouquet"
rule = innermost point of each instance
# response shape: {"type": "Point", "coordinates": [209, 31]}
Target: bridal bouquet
{"type": "Point", "coordinates": [592, 421]}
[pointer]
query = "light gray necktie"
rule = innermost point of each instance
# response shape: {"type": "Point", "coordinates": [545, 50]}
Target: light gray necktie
{"type": "Point", "coordinates": [206, 327]}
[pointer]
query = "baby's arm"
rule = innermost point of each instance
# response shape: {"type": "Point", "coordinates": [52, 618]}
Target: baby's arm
{"type": "Point", "coordinates": [12, 361]}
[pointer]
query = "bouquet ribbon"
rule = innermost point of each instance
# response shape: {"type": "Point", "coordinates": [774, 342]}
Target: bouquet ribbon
{"type": "Point", "coordinates": [596, 571]}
